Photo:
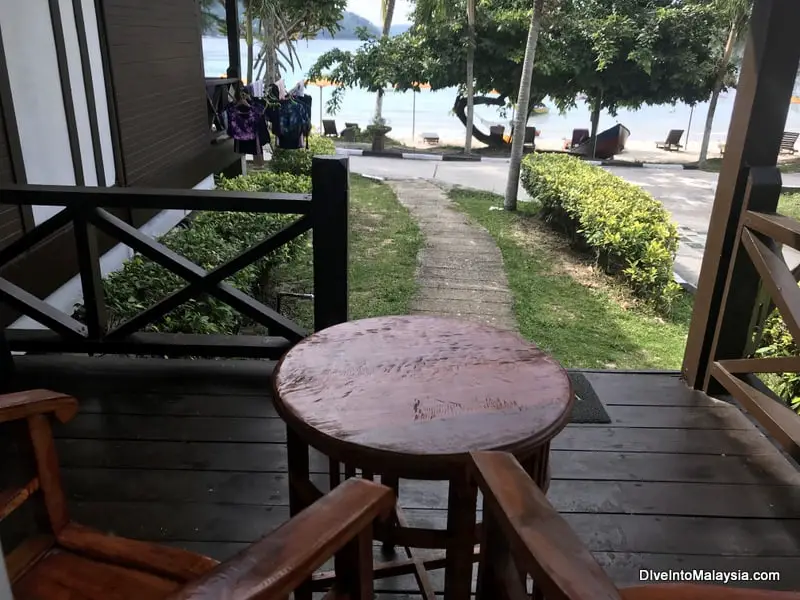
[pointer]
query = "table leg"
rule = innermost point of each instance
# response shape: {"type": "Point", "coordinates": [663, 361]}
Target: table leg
{"type": "Point", "coordinates": [394, 483]}
{"type": "Point", "coordinates": [297, 451]}
{"type": "Point", "coordinates": [461, 511]}
{"type": "Point", "coordinates": [334, 473]}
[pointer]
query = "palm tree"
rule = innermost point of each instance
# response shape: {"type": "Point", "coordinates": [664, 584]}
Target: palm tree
{"type": "Point", "coordinates": [387, 12]}
{"type": "Point", "coordinates": [737, 14]}
{"type": "Point", "coordinates": [521, 119]}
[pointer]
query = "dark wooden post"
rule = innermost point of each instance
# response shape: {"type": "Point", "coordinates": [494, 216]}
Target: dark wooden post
{"type": "Point", "coordinates": [232, 26]}
{"type": "Point", "coordinates": [91, 278]}
{"type": "Point", "coordinates": [759, 115]}
{"type": "Point", "coordinates": [330, 179]}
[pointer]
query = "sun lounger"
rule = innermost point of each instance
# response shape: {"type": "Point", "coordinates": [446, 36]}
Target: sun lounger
{"type": "Point", "coordinates": [329, 128]}
{"type": "Point", "coordinates": [788, 141]}
{"type": "Point", "coordinates": [673, 141]}
{"type": "Point", "coordinates": [578, 137]}
{"type": "Point", "coordinates": [430, 138]}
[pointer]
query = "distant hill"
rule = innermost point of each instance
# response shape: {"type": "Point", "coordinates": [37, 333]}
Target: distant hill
{"type": "Point", "coordinates": [348, 24]}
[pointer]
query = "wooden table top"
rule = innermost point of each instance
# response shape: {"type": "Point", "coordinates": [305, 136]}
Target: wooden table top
{"type": "Point", "coordinates": [418, 386]}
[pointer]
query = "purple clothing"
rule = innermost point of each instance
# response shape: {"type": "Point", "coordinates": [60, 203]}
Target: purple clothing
{"type": "Point", "coordinates": [245, 122]}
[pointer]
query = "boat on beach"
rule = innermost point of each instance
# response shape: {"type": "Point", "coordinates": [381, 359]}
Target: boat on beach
{"type": "Point", "coordinates": [609, 142]}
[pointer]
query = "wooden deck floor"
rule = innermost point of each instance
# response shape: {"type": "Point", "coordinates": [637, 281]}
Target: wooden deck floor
{"type": "Point", "coordinates": [191, 453]}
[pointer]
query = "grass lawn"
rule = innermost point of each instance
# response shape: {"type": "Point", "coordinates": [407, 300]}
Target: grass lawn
{"type": "Point", "coordinates": [581, 316]}
{"type": "Point", "coordinates": [791, 165]}
{"type": "Point", "coordinates": [384, 242]}
{"type": "Point", "coordinates": [789, 205]}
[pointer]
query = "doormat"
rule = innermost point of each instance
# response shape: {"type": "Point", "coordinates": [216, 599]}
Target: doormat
{"type": "Point", "coordinates": [587, 407]}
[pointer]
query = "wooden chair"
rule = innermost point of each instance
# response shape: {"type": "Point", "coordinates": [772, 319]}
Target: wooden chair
{"type": "Point", "coordinates": [72, 561]}
{"type": "Point", "coordinates": [329, 128]}
{"type": "Point", "coordinates": [788, 141]}
{"type": "Point", "coordinates": [578, 137]}
{"type": "Point", "coordinates": [524, 535]}
{"type": "Point", "coordinates": [673, 141]}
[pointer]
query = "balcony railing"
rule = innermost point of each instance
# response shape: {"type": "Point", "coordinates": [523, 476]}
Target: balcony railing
{"type": "Point", "coordinates": [324, 212]}
{"type": "Point", "coordinates": [219, 93]}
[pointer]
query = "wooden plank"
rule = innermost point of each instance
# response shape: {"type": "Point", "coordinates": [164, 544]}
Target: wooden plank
{"type": "Point", "coordinates": [781, 421]}
{"type": "Point", "coordinates": [134, 427]}
{"type": "Point", "coordinates": [154, 343]}
{"type": "Point", "coordinates": [721, 416]}
{"type": "Point", "coordinates": [11, 500]}
{"type": "Point", "coordinates": [40, 311]}
{"type": "Point", "coordinates": [644, 389]}
{"type": "Point", "coordinates": [600, 532]}
{"type": "Point", "coordinates": [48, 471]}
{"type": "Point", "coordinates": [775, 364]}
{"type": "Point", "coordinates": [91, 278]}
{"type": "Point", "coordinates": [178, 404]}
{"type": "Point", "coordinates": [777, 279]}
{"type": "Point", "coordinates": [255, 202]}
{"type": "Point", "coordinates": [37, 235]}
{"type": "Point", "coordinates": [19, 560]}
{"type": "Point", "coordinates": [750, 491]}
{"type": "Point", "coordinates": [784, 230]}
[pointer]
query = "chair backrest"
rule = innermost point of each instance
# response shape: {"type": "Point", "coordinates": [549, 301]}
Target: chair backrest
{"type": "Point", "coordinates": [789, 139]}
{"type": "Point", "coordinates": [530, 135]}
{"type": "Point", "coordinates": [329, 127]}
{"type": "Point", "coordinates": [33, 508]}
{"type": "Point", "coordinates": [674, 137]}
{"type": "Point", "coordinates": [351, 125]}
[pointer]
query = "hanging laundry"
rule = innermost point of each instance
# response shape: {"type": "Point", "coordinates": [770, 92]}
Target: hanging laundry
{"type": "Point", "coordinates": [293, 122]}
{"type": "Point", "coordinates": [248, 127]}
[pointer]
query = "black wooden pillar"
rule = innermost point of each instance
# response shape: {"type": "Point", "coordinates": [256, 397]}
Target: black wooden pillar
{"type": "Point", "coordinates": [330, 194]}
{"type": "Point", "coordinates": [759, 115]}
{"type": "Point", "coordinates": [232, 27]}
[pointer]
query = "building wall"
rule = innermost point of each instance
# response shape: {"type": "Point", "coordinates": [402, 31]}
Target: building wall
{"type": "Point", "coordinates": [98, 93]}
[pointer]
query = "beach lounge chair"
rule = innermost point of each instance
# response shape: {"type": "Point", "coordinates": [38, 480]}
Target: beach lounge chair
{"type": "Point", "coordinates": [788, 141]}
{"type": "Point", "coordinates": [351, 126]}
{"type": "Point", "coordinates": [673, 140]}
{"type": "Point", "coordinates": [329, 127]}
{"type": "Point", "coordinates": [430, 138]}
{"type": "Point", "coordinates": [578, 137]}
{"type": "Point", "coordinates": [496, 133]}
{"type": "Point", "coordinates": [530, 138]}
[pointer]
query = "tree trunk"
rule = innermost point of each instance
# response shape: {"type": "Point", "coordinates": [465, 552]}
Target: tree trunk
{"type": "Point", "coordinates": [523, 99]}
{"type": "Point", "coordinates": [712, 104]}
{"type": "Point", "coordinates": [460, 110]}
{"type": "Point", "coordinates": [596, 104]}
{"type": "Point", "coordinates": [248, 32]}
{"type": "Point", "coordinates": [388, 13]}
{"type": "Point", "coordinates": [470, 75]}
{"type": "Point", "coordinates": [271, 70]}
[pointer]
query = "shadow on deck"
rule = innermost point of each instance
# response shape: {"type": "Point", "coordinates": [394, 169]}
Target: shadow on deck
{"type": "Point", "coordinates": [191, 453]}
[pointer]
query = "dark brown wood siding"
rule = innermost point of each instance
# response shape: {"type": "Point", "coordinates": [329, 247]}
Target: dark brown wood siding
{"type": "Point", "coordinates": [11, 223]}
{"type": "Point", "coordinates": [156, 57]}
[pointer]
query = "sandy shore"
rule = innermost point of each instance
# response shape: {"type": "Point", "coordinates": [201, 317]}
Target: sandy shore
{"type": "Point", "coordinates": [635, 150]}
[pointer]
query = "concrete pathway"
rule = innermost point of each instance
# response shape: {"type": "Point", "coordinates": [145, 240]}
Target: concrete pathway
{"type": "Point", "coordinates": [687, 195]}
{"type": "Point", "coordinates": [460, 271]}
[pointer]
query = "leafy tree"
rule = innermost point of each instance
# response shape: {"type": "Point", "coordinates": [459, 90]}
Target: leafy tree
{"type": "Point", "coordinates": [626, 54]}
{"type": "Point", "coordinates": [521, 121]}
{"type": "Point", "coordinates": [737, 15]}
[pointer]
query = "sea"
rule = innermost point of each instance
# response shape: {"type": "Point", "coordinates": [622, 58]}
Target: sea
{"type": "Point", "coordinates": [412, 113]}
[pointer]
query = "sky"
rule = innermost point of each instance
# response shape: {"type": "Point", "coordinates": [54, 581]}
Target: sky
{"type": "Point", "coordinates": [371, 9]}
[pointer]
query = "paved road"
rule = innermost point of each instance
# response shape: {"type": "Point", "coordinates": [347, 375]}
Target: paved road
{"type": "Point", "coordinates": [688, 195]}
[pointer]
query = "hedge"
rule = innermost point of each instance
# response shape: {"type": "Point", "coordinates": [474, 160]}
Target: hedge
{"type": "Point", "coordinates": [298, 162]}
{"type": "Point", "coordinates": [628, 230]}
{"type": "Point", "coordinates": [210, 239]}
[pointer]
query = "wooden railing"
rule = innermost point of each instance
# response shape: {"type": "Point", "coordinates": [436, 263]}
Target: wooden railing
{"type": "Point", "coordinates": [324, 212]}
{"type": "Point", "coordinates": [218, 94]}
{"type": "Point", "coordinates": [760, 277]}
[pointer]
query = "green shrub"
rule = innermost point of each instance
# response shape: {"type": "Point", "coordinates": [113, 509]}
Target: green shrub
{"type": "Point", "coordinates": [298, 162]}
{"type": "Point", "coordinates": [211, 239]}
{"type": "Point", "coordinates": [777, 340]}
{"type": "Point", "coordinates": [629, 231]}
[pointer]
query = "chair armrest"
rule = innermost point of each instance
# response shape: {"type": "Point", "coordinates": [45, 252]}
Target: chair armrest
{"type": "Point", "coordinates": [540, 540]}
{"type": "Point", "coordinates": [21, 405]}
{"type": "Point", "coordinates": [277, 564]}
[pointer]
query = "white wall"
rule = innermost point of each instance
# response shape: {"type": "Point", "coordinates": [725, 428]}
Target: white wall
{"type": "Point", "coordinates": [69, 294]}
{"type": "Point", "coordinates": [30, 52]}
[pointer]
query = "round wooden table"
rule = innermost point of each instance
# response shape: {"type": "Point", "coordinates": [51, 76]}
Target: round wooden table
{"type": "Point", "coordinates": [410, 397]}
